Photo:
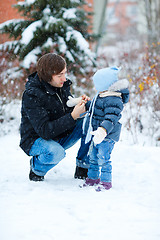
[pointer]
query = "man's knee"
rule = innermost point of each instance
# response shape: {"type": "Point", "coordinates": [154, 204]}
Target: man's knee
{"type": "Point", "coordinates": [54, 154]}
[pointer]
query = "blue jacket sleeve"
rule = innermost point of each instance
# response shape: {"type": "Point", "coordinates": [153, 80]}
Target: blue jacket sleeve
{"type": "Point", "coordinates": [112, 111]}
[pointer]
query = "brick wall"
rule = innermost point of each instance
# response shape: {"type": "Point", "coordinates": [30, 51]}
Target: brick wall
{"type": "Point", "coordinates": [125, 20]}
{"type": "Point", "coordinates": [7, 12]}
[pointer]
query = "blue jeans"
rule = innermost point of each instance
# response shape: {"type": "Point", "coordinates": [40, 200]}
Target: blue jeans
{"type": "Point", "coordinates": [82, 159]}
{"type": "Point", "coordinates": [48, 153]}
{"type": "Point", "coordinates": [99, 157]}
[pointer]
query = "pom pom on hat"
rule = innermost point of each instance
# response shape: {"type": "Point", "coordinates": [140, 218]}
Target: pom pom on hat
{"type": "Point", "coordinates": [105, 77]}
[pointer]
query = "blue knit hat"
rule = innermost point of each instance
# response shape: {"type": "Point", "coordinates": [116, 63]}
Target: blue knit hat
{"type": "Point", "coordinates": [105, 77]}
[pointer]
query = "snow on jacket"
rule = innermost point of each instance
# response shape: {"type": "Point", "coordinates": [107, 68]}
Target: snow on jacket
{"type": "Point", "coordinates": [44, 112]}
{"type": "Point", "coordinates": [107, 110]}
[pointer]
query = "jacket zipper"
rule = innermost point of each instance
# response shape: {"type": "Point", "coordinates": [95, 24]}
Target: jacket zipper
{"type": "Point", "coordinates": [61, 101]}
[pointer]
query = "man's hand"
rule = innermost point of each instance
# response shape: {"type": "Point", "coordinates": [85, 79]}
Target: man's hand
{"type": "Point", "coordinates": [78, 110]}
{"type": "Point", "coordinates": [99, 135]}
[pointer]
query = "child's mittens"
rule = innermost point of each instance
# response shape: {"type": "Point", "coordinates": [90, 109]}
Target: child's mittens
{"type": "Point", "coordinates": [99, 135]}
{"type": "Point", "coordinates": [73, 101]}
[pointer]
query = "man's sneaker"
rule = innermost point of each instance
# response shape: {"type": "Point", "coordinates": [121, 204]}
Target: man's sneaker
{"type": "Point", "coordinates": [34, 177]}
{"type": "Point", "coordinates": [91, 182]}
{"type": "Point", "coordinates": [81, 173]}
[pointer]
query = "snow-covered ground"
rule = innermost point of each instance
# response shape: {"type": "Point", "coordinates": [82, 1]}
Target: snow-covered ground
{"type": "Point", "coordinates": [59, 209]}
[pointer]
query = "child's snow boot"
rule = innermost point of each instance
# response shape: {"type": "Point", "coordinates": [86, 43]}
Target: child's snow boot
{"type": "Point", "coordinates": [104, 185]}
{"type": "Point", "coordinates": [91, 182]}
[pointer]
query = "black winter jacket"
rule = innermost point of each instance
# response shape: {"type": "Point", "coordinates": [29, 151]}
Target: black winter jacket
{"type": "Point", "coordinates": [44, 112]}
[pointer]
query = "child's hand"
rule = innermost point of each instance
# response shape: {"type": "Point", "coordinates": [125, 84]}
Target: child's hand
{"type": "Point", "coordinates": [99, 135]}
{"type": "Point", "coordinates": [85, 98]}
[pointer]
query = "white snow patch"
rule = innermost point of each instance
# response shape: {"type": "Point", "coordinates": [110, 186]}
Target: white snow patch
{"type": "Point", "coordinates": [62, 45]}
{"type": "Point", "coordinates": [81, 42]}
{"type": "Point", "coordinates": [31, 57]}
{"type": "Point", "coordinates": [69, 13]}
{"type": "Point", "coordinates": [27, 2]}
{"type": "Point", "coordinates": [6, 23]}
{"type": "Point", "coordinates": [59, 209]}
{"type": "Point", "coordinates": [48, 43]}
{"type": "Point", "coordinates": [28, 33]}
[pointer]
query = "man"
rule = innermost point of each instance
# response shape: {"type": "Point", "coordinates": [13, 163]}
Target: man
{"type": "Point", "coordinates": [48, 125]}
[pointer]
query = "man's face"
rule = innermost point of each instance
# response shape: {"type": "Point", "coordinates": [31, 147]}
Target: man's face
{"type": "Point", "coordinates": [59, 79]}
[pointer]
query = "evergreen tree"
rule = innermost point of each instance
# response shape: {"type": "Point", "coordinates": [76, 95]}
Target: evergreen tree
{"type": "Point", "coordinates": [52, 26]}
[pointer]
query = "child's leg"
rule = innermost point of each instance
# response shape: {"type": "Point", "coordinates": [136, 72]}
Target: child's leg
{"type": "Point", "coordinates": [104, 152]}
{"type": "Point", "coordinates": [93, 171]}
{"type": "Point", "coordinates": [82, 159]}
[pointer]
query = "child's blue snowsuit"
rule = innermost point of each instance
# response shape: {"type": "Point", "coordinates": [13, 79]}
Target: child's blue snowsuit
{"type": "Point", "coordinates": [107, 113]}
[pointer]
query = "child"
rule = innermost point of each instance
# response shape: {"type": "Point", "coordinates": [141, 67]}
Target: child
{"type": "Point", "coordinates": [103, 117]}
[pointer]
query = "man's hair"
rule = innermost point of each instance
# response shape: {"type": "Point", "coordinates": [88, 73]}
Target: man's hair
{"type": "Point", "coordinates": [48, 65]}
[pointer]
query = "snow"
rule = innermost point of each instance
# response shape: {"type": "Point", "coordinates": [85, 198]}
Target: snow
{"type": "Point", "coordinates": [12, 21]}
{"type": "Point", "coordinates": [59, 209]}
{"type": "Point", "coordinates": [47, 11]}
{"type": "Point", "coordinates": [50, 19]}
{"type": "Point", "coordinates": [31, 57]}
{"type": "Point", "coordinates": [70, 13]}
{"type": "Point", "coordinates": [27, 2]}
{"type": "Point", "coordinates": [28, 33]}
{"type": "Point", "coordinates": [62, 44]}
{"type": "Point", "coordinates": [69, 56]}
{"type": "Point", "coordinates": [81, 42]}
{"type": "Point", "coordinates": [11, 73]}
{"type": "Point", "coordinates": [48, 43]}
{"type": "Point", "coordinates": [8, 45]}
